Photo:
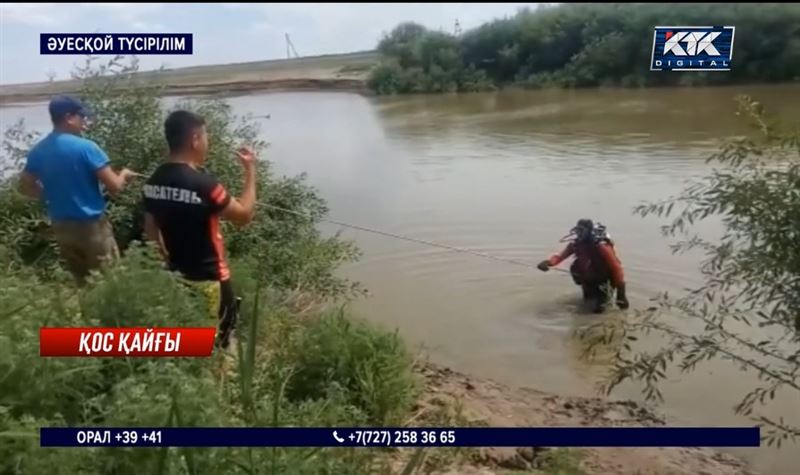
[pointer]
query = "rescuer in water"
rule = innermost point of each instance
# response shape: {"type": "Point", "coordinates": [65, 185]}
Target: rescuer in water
{"type": "Point", "coordinates": [596, 268]}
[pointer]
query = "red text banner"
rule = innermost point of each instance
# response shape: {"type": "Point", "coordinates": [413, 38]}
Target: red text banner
{"type": "Point", "coordinates": [131, 342]}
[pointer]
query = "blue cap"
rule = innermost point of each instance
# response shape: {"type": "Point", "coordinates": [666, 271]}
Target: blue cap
{"type": "Point", "coordinates": [60, 106]}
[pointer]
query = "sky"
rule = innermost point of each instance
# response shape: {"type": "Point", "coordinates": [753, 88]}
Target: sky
{"type": "Point", "coordinates": [223, 33]}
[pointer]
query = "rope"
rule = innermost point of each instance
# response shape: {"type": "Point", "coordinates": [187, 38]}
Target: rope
{"type": "Point", "coordinates": [415, 240]}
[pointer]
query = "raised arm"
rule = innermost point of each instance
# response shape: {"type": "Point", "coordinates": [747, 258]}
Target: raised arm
{"type": "Point", "coordinates": [240, 210]}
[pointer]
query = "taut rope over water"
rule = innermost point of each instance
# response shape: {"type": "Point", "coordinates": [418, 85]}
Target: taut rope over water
{"type": "Point", "coordinates": [414, 240]}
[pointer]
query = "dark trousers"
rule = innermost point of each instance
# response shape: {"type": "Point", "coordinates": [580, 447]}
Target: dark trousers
{"type": "Point", "coordinates": [593, 287]}
{"type": "Point", "coordinates": [228, 313]}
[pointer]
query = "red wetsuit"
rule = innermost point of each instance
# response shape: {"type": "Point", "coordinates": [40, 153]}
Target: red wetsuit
{"type": "Point", "coordinates": [594, 262]}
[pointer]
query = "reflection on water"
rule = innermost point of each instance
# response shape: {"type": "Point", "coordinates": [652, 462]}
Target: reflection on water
{"type": "Point", "coordinates": [508, 174]}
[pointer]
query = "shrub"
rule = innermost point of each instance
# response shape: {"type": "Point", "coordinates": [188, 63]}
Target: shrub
{"type": "Point", "coordinates": [386, 78]}
{"type": "Point", "coordinates": [417, 60]}
{"type": "Point", "coordinates": [318, 371]}
{"type": "Point", "coordinates": [291, 251]}
{"type": "Point", "coordinates": [580, 45]}
{"type": "Point", "coordinates": [372, 367]}
{"type": "Point", "coordinates": [747, 312]}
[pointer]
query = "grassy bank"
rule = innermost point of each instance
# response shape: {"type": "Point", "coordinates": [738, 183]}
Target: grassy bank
{"type": "Point", "coordinates": [292, 366]}
{"type": "Point", "coordinates": [291, 370]}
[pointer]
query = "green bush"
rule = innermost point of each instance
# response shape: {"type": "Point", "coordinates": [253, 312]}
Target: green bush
{"type": "Point", "coordinates": [288, 245]}
{"type": "Point", "coordinates": [372, 367]}
{"type": "Point", "coordinates": [321, 370]}
{"type": "Point", "coordinates": [26, 234]}
{"type": "Point", "coordinates": [582, 45]}
{"type": "Point", "coordinates": [474, 80]}
{"type": "Point", "coordinates": [417, 60]}
{"type": "Point", "coordinates": [386, 78]}
{"type": "Point", "coordinates": [747, 311]}
{"type": "Point", "coordinates": [33, 386]}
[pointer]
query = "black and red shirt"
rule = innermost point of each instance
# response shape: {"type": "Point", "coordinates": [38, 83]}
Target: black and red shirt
{"type": "Point", "coordinates": [186, 204]}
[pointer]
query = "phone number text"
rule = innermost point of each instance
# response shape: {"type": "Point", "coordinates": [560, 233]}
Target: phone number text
{"type": "Point", "coordinates": [400, 438]}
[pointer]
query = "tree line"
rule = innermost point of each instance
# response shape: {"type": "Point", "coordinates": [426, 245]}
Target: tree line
{"type": "Point", "coordinates": [584, 45]}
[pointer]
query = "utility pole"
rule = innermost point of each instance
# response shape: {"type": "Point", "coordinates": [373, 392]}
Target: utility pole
{"type": "Point", "coordinates": [290, 48]}
{"type": "Point", "coordinates": [457, 28]}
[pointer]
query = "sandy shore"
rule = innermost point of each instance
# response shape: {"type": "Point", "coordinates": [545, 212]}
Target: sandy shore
{"type": "Point", "coordinates": [344, 72]}
{"type": "Point", "coordinates": [221, 89]}
{"type": "Point", "coordinates": [488, 403]}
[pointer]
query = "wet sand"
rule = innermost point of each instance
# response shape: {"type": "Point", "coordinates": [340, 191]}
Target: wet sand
{"type": "Point", "coordinates": [484, 402]}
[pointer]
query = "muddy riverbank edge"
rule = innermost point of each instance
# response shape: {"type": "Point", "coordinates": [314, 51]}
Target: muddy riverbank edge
{"type": "Point", "coordinates": [483, 402]}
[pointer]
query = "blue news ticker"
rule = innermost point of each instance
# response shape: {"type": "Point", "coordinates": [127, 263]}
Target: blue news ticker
{"type": "Point", "coordinates": [400, 437]}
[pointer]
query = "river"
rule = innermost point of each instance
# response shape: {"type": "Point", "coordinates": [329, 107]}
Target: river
{"type": "Point", "coordinates": [508, 174]}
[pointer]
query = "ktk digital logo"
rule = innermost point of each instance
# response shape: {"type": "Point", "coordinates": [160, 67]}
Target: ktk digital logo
{"type": "Point", "coordinates": [692, 48]}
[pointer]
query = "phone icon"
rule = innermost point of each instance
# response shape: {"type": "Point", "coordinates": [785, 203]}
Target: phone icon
{"type": "Point", "coordinates": [336, 436]}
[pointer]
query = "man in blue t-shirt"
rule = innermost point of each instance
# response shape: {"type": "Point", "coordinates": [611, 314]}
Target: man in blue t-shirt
{"type": "Point", "coordinates": [66, 170]}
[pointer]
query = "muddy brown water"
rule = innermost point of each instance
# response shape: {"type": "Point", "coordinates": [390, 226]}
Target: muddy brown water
{"type": "Point", "coordinates": [508, 174]}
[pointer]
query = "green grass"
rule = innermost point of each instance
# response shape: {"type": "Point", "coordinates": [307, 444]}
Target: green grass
{"type": "Point", "coordinates": [322, 370]}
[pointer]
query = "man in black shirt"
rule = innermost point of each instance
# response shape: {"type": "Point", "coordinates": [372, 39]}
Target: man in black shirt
{"type": "Point", "coordinates": [183, 205]}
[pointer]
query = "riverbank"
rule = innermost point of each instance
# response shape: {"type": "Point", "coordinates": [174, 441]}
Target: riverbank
{"type": "Point", "coordinates": [341, 72]}
{"type": "Point", "coordinates": [482, 402]}
{"type": "Point", "coordinates": [519, 322]}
